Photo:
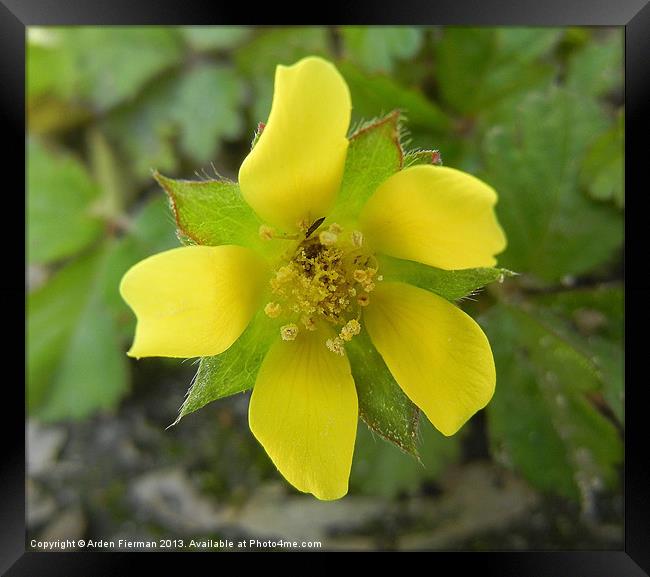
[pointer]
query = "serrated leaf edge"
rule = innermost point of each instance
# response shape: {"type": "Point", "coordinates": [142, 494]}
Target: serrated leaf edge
{"type": "Point", "coordinates": [161, 180]}
{"type": "Point", "coordinates": [396, 117]}
{"type": "Point", "coordinates": [415, 422]}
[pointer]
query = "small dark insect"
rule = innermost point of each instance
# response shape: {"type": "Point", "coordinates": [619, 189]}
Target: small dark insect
{"type": "Point", "coordinates": [314, 226]}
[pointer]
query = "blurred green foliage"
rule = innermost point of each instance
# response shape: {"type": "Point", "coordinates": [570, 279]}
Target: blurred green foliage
{"type": "Point", "coordinates": [537, 113]}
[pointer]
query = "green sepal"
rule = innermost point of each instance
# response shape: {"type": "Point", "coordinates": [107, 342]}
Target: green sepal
{"type": "Point", "coordinates": [379, 470]}
{"type": "Point", "coordinates": [415, 157]}
{"type": "Point", "coordinates": [374, 154]}
{"type": "Point", "coordinates": [234, 370]}
{"type": "Point", "coordinates": [258, 133]}
{"type": "Point", "coordinates": [211, 212]}
{"type": "Point", "coordinates": [382, 405]}
{"type": "Point", "coordinates": [449, 284]}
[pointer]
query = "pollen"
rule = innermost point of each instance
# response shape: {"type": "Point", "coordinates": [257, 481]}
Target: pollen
{"type": "Point", "coordinates": [324, 281]}
{"type": "Point", "coordinates": [328, 238]}
{"type": "Point", "coordinates": [351, 329]}
{"type": "Point", "coordinates": [289, 332]}
{"type": "Point", "coordinates": [360, 276]}
{"type": "Point", "coordinates": [266, 232]}
{"type": "Point", "coordinates": [335, 345]}
{"type": "Point", "coordinates": [273, 310]}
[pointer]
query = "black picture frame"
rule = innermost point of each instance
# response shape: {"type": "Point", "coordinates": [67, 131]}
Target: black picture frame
{"type": "Point", "coordinates": [633, 15]}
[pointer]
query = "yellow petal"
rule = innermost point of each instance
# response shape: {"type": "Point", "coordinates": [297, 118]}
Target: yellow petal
{"type": "Point", "coordinates": [295, 169]}
{"type": "Point", "coordinates": [435, 215]}
{"type": "Point", "coordinates": [192, 301]}
{"type": "Point", "coordinates": [304, 412]}
{"type": "Point", "coordinates": [438, 355]}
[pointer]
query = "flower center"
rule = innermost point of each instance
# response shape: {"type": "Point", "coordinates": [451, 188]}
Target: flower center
{"type": "Point", "coordinates": [328, 278]}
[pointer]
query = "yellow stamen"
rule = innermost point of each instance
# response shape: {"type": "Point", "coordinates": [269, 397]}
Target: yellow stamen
{"type": "Point", "coordinates": [266, 232]}
{"type": "Point", "coordinates": [327, 238]}
{"type": "Point", "coordinates": [326, 279]}
{"type": "Point", "coordinates": [351, 328]}
{"type": "Point", "coordinates": [360, 276]}
{"type": "Point", "coordinates": [335, 345]}
{"type": "Point", "coordinates": [273, 310]}
{"type": "Point", "coordinates": [289, 332]}
{"type": "Point", "coordinates": [309, 322]}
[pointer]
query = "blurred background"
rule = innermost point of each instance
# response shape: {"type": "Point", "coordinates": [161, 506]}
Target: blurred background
{"type": "Point", "coordinates": [535, 112]}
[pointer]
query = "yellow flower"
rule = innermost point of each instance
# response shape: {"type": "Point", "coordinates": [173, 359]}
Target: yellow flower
{"type": "Point", "coordinates": [322, 284]}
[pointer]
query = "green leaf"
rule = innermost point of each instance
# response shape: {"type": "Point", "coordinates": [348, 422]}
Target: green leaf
{"type": "Point", "coordinates": [108, 173]}
{"type": "Point", "coordinates": [376, 94]}
{"type": "Point", "coordinates": [449, 284]}
{"type": "Point", "coordinates": [532, 160]}
{"type": "Point", "coordinates": [541, 420]}
{"type": "Point", "coordinates": [75, 363]}
{"type": "Point", "coordinates": [463, 59]}
{"type": "Point", "coordinates": [198, 108]}
{"type": "Point", "coordinates": [591, 320]}
{"type": "Point", "coordinates": [47, 115]}
{"type": "Point", "coordinates": [527, 44]}
{"type": "Point", "coordinates": [51, 313]}
{"type": "Point", "coordinates": [215, 37]}
{"type": "Point", "coordinates": [601, 172]}
{"type": "Point", "coordinates": [382, 404]}
{"type": "Point", "coordinates": [211, 212]}
{"type": "Point", "coordinates": [378, 469]}
{"type": "Point", "coordinates": [377, 48]}
{"type": "Point", "coordinates": [153, 228]}
{"type": "Point", "coordinates": [60, 198]}
{"type": "Point", "coordinates": [48, 73]}
{"type": "Point", "coordinates": [597, 69]}
{"type": "Point", "coordinates": [47, 67]}
{"type": "Point", "coordinates": [480, 67]}
{"type": "Point", "coordinates": [110, 65]}
{"type": "Point", "coordinates": [234, 370]}
{"type": "Point", "coordinates": [207, 110]}
{"type": "Point", "coordinates": [79, 317]}
{"type": "Point", "coordinates": [145, 129]}
{"type": "Point", "coordinates": [605, 299]}
{"type": "Point", "coordinates": [374, 154]}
